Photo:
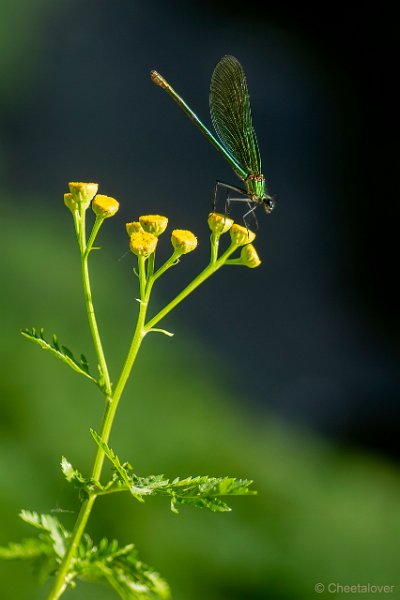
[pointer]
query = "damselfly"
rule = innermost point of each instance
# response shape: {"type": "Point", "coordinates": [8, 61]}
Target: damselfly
{"type": "Point", "coordinates": [231, 116]}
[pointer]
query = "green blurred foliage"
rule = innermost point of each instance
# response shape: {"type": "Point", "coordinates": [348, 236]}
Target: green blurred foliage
{"type": "Point", "coordinates": [323, 513]}
{"type": "Point", "coordinates": [23, 27]}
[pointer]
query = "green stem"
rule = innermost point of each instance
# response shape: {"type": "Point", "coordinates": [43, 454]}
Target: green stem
{"type": "Point", "coordinates": [87, 291]}
{"type": "Point", "coordinates": [150, 264]}
{"type": "Point", "coordinates": [142, 275]}
{"type": "Point", "coordinates": [119, 388]}
{"type": "Point", "coordinates": [61, 580]}
{"type": "Point", "coordinates": [93, 325]}
{"type": "Point", "coordinates": [95, 230]}
{"type": "Point", "coordinates": [173, 260]}
{"type": "Point", "coordinates": [214, 247]}
{"type": "Point", "coordinates": [211, 268]}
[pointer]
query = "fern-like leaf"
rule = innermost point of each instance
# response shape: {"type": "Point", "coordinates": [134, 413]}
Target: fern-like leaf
{"type": "Point", "coordinates": [29, 548]}
{"type": "Point", "coordinates": [59, 351]}
{"type": "Point", "coordinates": [201, 491]}
{"type": "Point", "coordinates": [51, 527]}
{"type": "Point", "coordinates": [119, 567]}
{"type": "Point", "coordinates": [122, 469]}
{"type": "Point", "coordinates": [206, 492]}
{"type": "Point", "coordinates": [46, 550]}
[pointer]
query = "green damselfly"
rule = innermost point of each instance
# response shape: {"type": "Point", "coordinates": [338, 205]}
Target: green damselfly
{"type": "Point", "coordinates": [231, 116]}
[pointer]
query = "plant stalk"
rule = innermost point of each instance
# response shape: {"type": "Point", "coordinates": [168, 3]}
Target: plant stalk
{"type": "Point", "coordinates": [60, 583]}
{"type": "Point", "coordinates": [210, 269]}
{"type": "Point", "coordinates": [113, 398]}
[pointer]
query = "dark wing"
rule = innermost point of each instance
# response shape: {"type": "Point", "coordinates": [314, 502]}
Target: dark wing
{"type": "Point", "coordinates": [231, 113]}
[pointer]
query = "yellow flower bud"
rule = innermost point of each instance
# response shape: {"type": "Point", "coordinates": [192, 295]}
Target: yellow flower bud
{"type": "Point", "coordinates": [250, 257]}
{"type": "Point", "coordinates": [143, 243]}
{"type": "Point", "coordinates": [133, 227]}
{"type": "Point", "coordinates": [104, 206]}
{"type": "Point", "coordinates": [70, 202]}
{"type": "Point", "coordinates": [183, 241]}
{"type": "Point", "coordinates": [218, 223]}
{"type": "Point", "coordinates": [154, 224]}
{"type": "Point", "coordinates": [83, 193]}
{"type": "Point", "coordinates": [241, 235]}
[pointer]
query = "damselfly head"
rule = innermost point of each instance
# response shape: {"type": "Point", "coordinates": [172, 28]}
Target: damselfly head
{"type": "Point", "coordinates": [268, 204]}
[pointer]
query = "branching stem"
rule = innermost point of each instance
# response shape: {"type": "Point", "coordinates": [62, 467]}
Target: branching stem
{"type": "Point", "coordinates": [146, 282]}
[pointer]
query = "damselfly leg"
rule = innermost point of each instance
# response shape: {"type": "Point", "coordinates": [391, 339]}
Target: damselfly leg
{"type": "Point", "coordinates": [228, 187]}
{"type": "Point", "coordinates": [251, 205]}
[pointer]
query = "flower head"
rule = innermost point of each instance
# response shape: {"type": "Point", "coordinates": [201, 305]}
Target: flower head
{"type": "Point", "coordinates": [70, 202]}
{"type": "Point", "coordinates": [183, 241]}
{"type": "Point", "coordinates": [249, 257]}
{"type": "Point", "coordinates": [83, 193]}
{"type": "Point", "coordinates": [218, 223]}
{"type": "Point", "coordinates": [104, 206]}
{"type": "Point", "coordinates": [133, 227]}
{"type": "Point", "coordinates": [241, 235]}
{"type": "Point", "coordinates": [155, 224]}
{"type": "Point", "coordinates": [143, 243]}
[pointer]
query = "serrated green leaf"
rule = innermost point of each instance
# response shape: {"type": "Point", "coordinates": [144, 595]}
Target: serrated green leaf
{"type": "Point", "coordinates": [39, 551]}
{"type": "Point", "coordinates": [29, 548]}
{"type": "Point", "coordinates": [213, 504]}
{"type": "Point", "coordinates": [85, 485]}
{"type": "Point", "coordinates": [201, 491]}
{"type": "Point", "coordinates": [107, 562]}
{"type": "Point", "coordinates": [32, 518]}
{"type": "Point", "coordinates": [205, 492]}
{"type": "Point", "coordinates": [51, 526]}
{"type": "Point", "coordinates": [121, 569]}
{"type": "Point", "coordinates": [59, 351]}
{"type": "Point", "coordinates": [70, 473]}
{"type": "Point", "coordinates": [45, 551]}
{"type": "Point", "coordinates": [122, 469]}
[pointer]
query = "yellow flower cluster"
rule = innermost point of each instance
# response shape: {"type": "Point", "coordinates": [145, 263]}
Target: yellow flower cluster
{"type": "Point", "coordinates": [240, 236]}
{"type": "Point", "coordinates": [144, 236]}
{"type": "Point", "coordinates": [144, 233]}
{"type": "Point", "coordinates": [81, 194]}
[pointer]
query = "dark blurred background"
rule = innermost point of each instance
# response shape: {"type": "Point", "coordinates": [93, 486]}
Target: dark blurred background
{"type": "Point", "coordinates": [297, 360]}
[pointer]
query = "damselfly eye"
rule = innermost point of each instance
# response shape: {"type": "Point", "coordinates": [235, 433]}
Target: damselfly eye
{"type": "Point", "coordinates": [269, 204]}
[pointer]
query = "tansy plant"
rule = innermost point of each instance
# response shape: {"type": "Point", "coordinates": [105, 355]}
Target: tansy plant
{"type": "Point", "coordinates": [72, 555]}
